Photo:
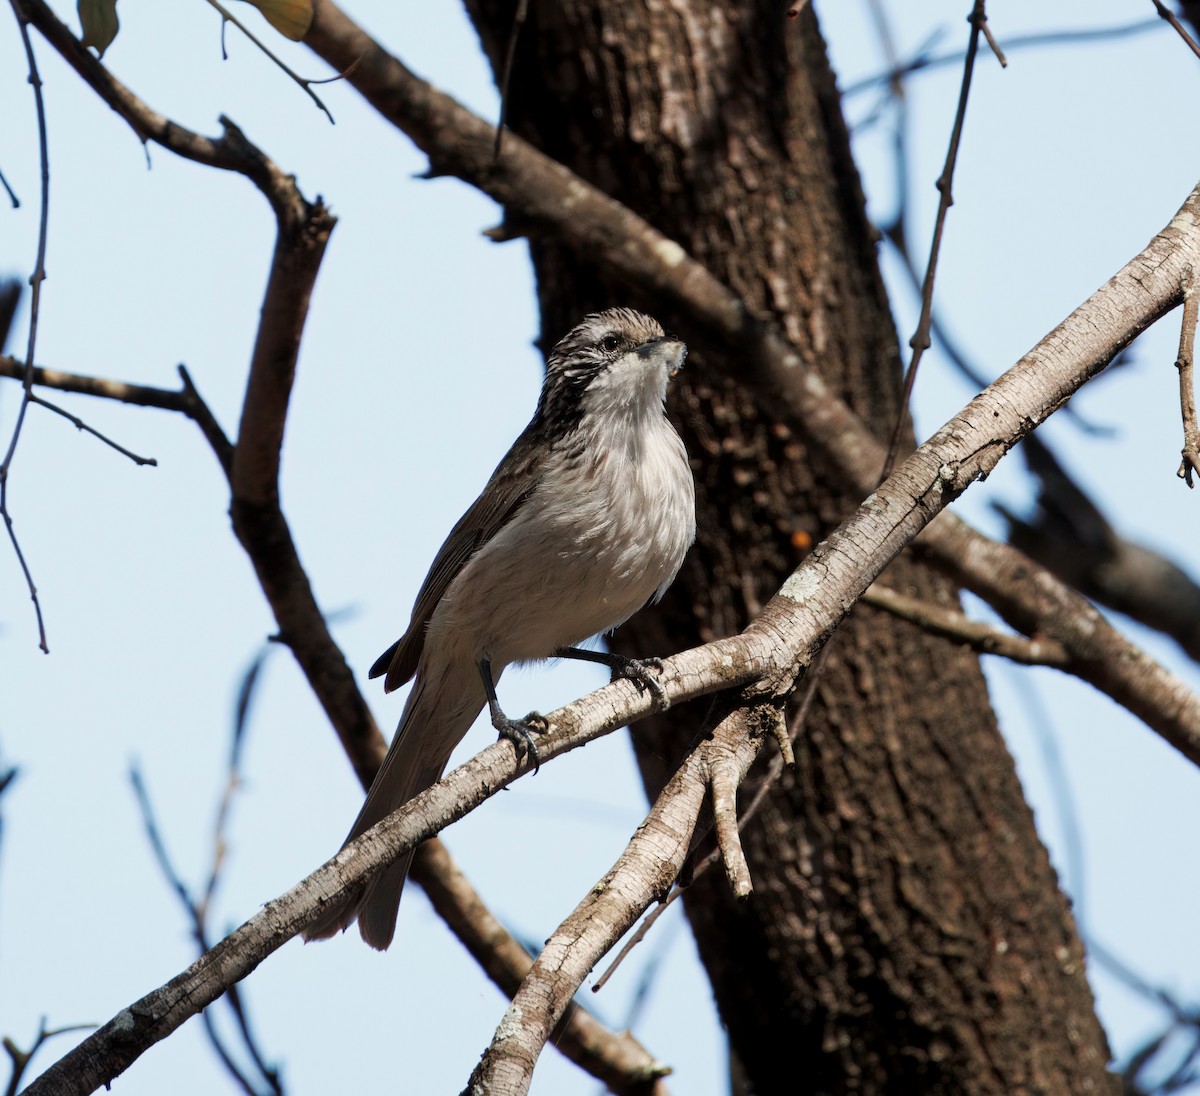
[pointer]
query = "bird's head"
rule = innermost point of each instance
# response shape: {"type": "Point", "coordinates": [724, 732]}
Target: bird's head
{"type": "Point", "coordinates": [617, 361]}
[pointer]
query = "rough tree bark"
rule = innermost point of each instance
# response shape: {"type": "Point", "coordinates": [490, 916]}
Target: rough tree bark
{"type": "Point", "coordinates": [907, 932]}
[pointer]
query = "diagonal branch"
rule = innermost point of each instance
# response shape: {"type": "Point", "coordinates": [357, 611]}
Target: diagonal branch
{"type": "Point", "coordinates": [115, 1046]}
{"type": "Point", "coordinates": [615, 1058]}
{"type": "Point", "coordinates": [642, 875]}
{"type": "Point", "coordinates": [1185, 363]}
{"type": "Point", "coordinates": [545, 196]}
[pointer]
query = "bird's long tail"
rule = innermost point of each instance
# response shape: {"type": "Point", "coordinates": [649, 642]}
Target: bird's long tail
{"type": "Point", "coordinates": [440, 710]}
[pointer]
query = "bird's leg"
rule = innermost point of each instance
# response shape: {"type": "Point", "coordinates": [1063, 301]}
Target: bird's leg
{"type": "Point", "coordinates": [641, 671]}
{"type": "Point", "coordinates": [518, 731]}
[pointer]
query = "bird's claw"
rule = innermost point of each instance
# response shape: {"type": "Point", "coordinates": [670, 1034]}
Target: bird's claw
{"type": "Point", "coordinates": [644, 672]}
{"type": "Point", "coordinates": [520, 733]}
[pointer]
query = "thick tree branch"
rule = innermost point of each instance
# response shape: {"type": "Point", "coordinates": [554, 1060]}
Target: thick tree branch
{"type": "Point", "coordinates": [544, 196]}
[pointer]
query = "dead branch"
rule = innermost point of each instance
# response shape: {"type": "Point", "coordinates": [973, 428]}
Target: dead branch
{"type": "Point", "coordinates": [252, 465]}
{"type": "Point", "coordinates": [954, 625]}
{"type": "Point", "coordinates": [35, 281]}
{"type": "Point", "coordinates": [615, 1058]}
{"type": "Point", "coordinates": [110, 1050]}
{"type": "Point", "coordinates": [1166, 13]}
{"type": "Point", "coordinates": [1187, 389]}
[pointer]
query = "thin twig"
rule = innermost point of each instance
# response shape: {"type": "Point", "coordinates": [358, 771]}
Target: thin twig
{"type": "Point", "coordinates": [305, 84]}
{"type": "Point", "coordinates": [186, 401]}
{"type": "Point", "coordinates": [35, 281]}
{"type": "Point", "coordinates": [1185, 363]}
{"type": "Point", "coordinates": [12, 194]}
{"type": "Point", "coordinates": [510, 54]}
{"type": "Point", "coordinates": [920, 341]}
{"type": "Point", "coordinates": [1167, 14]}
{"type": "Point", "coordinates": [196, 915]}
{"type": "Point", "coordinates": [993, 44]}
{"type": "Point", "coordinates": [21, 1058]}
{"type": "Point", "coordinates": [923, 62]}
{"type": "Point", "coordinates": [79, 424]}
{"type": "Point", "coordinates": [198, 909]}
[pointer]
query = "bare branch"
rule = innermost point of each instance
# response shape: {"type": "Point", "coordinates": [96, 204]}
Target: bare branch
{"type": "Point", "coordinates": [645, 870]}
{"type": "Point", "coordinates": [110, 1050]}
{"type": "Point", "coordinates": [724, 779]}
{"type": "Point", "coordinates": [252, 465]}
{"type": "Point", "coordinates": [79, 424]}
{"type": "Point", "coordinates": [1167, 14]}
{"type": "Point", "coordinates": [21, 1058]}
{"type": "Point", "coordinates": [1187, 389]}
{"type": "Point", "coordinates": [953, 625]}
{"type": "Point", "coordinates": [305, 85]}
{"type": "Point", "coordinates": [615, 1058]}
{"type": "Point", "coordinates": [35, 281]}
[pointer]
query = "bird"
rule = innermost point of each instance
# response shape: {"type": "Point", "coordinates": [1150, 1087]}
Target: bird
{"type": "Point", "coordinates": [586, 519]}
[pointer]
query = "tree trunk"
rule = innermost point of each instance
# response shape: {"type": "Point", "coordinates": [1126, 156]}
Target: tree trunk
{"type": "Point", "coordinates": [906, 932]}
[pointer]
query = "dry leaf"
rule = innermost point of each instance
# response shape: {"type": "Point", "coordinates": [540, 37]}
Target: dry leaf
{"type": "Point", "coordinates": [99, 21]}
{"type": "Point", "coordinates": [291, 18]}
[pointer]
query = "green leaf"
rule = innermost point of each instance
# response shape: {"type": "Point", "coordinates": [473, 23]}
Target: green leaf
{"type": "Point", "coordinates": [291, 18]}
{"type": "Point", "coordinates": [99, 21]}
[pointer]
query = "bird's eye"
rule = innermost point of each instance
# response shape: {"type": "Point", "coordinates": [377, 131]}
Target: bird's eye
{"type": "Point", "coordinates": [610, 343]}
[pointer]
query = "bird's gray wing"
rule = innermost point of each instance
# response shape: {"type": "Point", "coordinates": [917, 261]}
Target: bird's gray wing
{"type": "Point", "coordinates": [510, 486]}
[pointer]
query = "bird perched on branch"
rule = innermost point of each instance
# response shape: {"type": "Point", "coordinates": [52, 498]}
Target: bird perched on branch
{"type": "Point", "coordinates": [584, 521]}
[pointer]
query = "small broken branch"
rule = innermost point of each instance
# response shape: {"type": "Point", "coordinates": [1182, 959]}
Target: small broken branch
{"type": "Point", "coordinates": [1185, 363]}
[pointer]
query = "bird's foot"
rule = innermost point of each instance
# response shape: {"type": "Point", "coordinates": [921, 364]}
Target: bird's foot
{"type": "Point", "coordinates": [520, 733]}
{"type": "Point", "coordinates": [643, 672]}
